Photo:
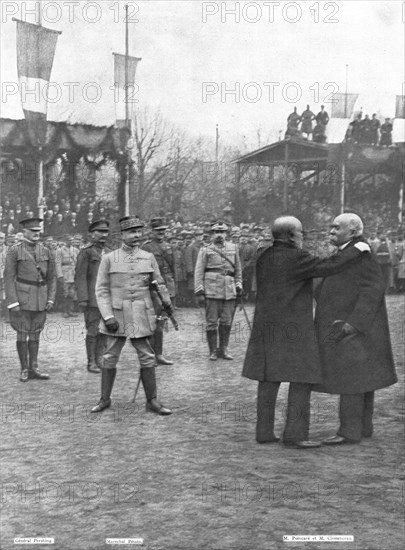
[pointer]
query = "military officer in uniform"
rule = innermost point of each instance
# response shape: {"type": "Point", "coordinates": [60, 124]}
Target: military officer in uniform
{"type": "Point", "coordinates": [88, 263]}
{"type": "Point", "coordinates": [165, 260]}
{"type": "Point", "coordinates": [218, 280]}
{"type": "Point", "coordinates": [30, 286]}
{"type": "Point", "coordinates": [66, 264]}
{"type": "Point", "coordinates": [125, 303]}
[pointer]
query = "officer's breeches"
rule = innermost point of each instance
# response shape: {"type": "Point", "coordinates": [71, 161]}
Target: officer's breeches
{"type": "Point", "coordinates": [218, 310]}
{"type": "Point", "coordinates": [114, 345]}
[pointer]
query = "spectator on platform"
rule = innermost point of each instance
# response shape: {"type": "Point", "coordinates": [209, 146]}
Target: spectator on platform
{"type": "Point", "coordinates": [386, 133]}
{"type": "Point", "coordinates": [322, 117]}
{"type": "Point", "coordinates": [356, 127]}
{"type": "Point", "coordinates": [375, 127]}
{"type": "Point", "coordinates": [58, 227]}
{"type": "Point", "coordinates": [306, 121]}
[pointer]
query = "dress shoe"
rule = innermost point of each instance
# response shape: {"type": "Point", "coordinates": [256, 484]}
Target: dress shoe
{"type": "Point", "coordinates": [101, 405]}
{"type": "Point", "coordinates": [338, 440]}
{"type": "Point", "coordinates": [302, 444]}
{"type": "Point", "coordinates": [213, 356]}
{"type": "Point", "coordinates": [94, 368]}
{"type": "Point", "coordinates": [154, 406]}
{"type": "Point", "coordinates": [38, 375]}
{"type": "Point", "coordinates": [272, 440]}
{"type": "Point", "coordinates": [24, 376]}
{"type": "Point", "coordinates": [160, 360]}
{"type": "Point", "coordinates": [224, 354]}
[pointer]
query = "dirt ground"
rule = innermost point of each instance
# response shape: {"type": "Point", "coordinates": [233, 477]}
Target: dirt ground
{"type": "Point", "coordinates": [196, 479]}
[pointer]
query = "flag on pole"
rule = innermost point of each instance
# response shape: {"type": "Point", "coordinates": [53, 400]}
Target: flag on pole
{"type": "Point", "coordinates": [123, 95]}
{"type": "Point", "coordinates": [36, 47]}
{"type": "Point", "coordinates": [400, 106]}
{"type": "Point", "coordinates": [343, 105]}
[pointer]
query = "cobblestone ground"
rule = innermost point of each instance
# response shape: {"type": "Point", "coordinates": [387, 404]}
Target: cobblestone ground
{"type": "Point", "coordinates": [196, 479]}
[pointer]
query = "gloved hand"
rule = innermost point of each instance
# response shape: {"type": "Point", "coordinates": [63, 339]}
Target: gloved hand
{"type": "Point", "coordinates": [83, 306]}
{"type": "Point", "coordinates": [201, 300]}
{"type": "Point", "coordinates": [239, 291]}
{"type": "Point", "coordinates": [49, 306]}
{"type": "Point", "coordinates": [341, 330]}
{"type": "Point", "coordinates": [348, 329]}
{"type": "Point", "coordinates": [168, 307]}
{"type": "Point", "coordinates": [111, 324]}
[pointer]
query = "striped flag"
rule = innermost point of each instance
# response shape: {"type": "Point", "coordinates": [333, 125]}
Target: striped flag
{"type": "Point", "coordinates": [36, 47]}
{"type": "Point", "coordinates": [121, 94]}
{"type": "Point", "coordinates": [343, 105]}
{"type": "Point", "coordinates": [400, 106]}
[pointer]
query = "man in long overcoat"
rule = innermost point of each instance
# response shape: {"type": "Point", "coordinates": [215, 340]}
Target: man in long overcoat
{"type": "Point", "coordinates": [283, 346]}
{"type": "Point", "coordinates": [353, 334]}
{"type": "Point", "coordinates": [87, 266]}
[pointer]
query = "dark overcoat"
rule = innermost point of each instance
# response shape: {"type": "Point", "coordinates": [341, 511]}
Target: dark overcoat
{"type": "Point", "coordinates": [282, 345]}
{"type": "Point", "coordinates": [87, 266]}
{"type": "Point", "coordinates": [364, 362]}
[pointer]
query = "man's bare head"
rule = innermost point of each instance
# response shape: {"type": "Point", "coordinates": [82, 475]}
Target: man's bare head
{"type": "Point", "coordinates": [345, 228]}
{"type": "Point", "coordinates": [288, 229]}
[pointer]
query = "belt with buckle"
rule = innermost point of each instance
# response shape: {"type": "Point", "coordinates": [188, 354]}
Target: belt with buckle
{"type": "Point", "coordinates": [32, 283]}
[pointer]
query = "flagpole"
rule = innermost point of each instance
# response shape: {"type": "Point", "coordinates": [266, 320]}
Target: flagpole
{"type": "Point", "coordinates": [347, 72]}
{"type": "Point", "coordinates": [216, 143]}
{"type": "Point", "coordinates": [127, 122]}
{"type": "Point", "coordinates": [41, 162]}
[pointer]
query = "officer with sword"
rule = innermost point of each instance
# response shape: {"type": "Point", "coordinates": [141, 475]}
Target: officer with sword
{"type": "Point", "coordinates": [124, 299]}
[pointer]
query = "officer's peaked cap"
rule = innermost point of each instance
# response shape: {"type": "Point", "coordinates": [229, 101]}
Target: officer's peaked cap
{"type": "Point", "coordinates": [219, 226]}
{"type": "Point", "coordinates": [32, 223]}
{"type": "Point", "coordinates": [99, 225]}
{"type": "Point", "coordinates": [158, 223]}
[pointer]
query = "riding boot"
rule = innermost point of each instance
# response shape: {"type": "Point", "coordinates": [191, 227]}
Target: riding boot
{"type": "Point", "coordinates": [107, 383]}
{"type": "Point", "coordinates": [33, 347]}
{"type": "Point", "coordinates": [158, 347]}
{"type": "Point", "coordinates": [100, 345]}
{"type": "Point", "coordinates": [148, 377]}
{"type": "Point", "coordinates": [224, 333]}
{"type": "Point", "coordinates": [22, 349]}
{"type": "Point", "coordinates": [91, 343]}
{"type": "Point", "coordinates": [212, 344]}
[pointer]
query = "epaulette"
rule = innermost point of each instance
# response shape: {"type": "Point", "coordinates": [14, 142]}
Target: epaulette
{"type": "Point", "coordinates": [146, 242]}
{"type": "Point", "coordinates": [89, 245]}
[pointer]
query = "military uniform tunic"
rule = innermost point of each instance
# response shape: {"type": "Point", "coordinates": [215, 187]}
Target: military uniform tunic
{"type": "Point", "coordinates": [122, 291]}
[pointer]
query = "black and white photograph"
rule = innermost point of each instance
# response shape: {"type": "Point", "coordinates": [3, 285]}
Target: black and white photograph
{"type": "Point", "coordinates": [202, 274]}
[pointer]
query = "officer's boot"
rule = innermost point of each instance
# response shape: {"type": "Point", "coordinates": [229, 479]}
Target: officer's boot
{"type": "Point", "coordinates": [158, 347]}
{"type": "Point", "coordinates": [100, 345]}
{"type": "Point", "coordinates": [33, 347]}
{"type": "Point", "coordinates": [91, 343]}
{"type": "Point", "coordinates": [148, 376]}
{"type": "Point", "coordinates": [224, 332]}
{"type": "Point", "coordinates": [66, 307]}
{"type": "Point", "coordinates": [22, 349]}
{"type": "Point", "coordinates": [71, 308]}
{"type": "Point", "coordinates": [212, 344]}
{"type": "Point", "coordinates": [107, 383]}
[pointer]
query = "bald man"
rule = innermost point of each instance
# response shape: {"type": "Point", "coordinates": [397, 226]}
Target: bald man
{"type": "Point", "coordinates": [282, 345]}
{"type": "Point", "coordinates": [353, 334]}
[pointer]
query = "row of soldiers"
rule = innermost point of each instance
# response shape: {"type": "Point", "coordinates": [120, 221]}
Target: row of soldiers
{"type": "Point", "coordinates": [114, 292]}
